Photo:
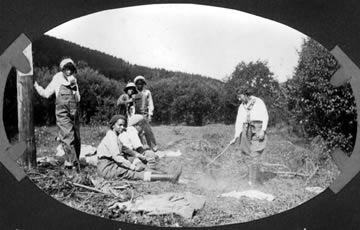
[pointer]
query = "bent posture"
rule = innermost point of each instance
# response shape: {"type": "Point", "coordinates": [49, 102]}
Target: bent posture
{"type": "Point", "coordinates": [251, 123]}
{"type": "Point", "coordinates": [131, 139]}
{"type": "Point", "coordinates": [118, 161]}
{"type": "Point", "coordinates": [66, 90]}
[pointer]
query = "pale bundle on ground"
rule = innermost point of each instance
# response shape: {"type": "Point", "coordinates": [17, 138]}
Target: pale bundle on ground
{"type": "Point", "coordinates": [252, 194]}
{"type": "Point", "coordinates": [183, 204]}
{"type": "Point", "coordinates": [87, 154]}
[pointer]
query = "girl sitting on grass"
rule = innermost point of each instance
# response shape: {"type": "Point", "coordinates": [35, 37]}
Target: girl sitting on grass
{"type": "Point", "coordinates": [118, 161]}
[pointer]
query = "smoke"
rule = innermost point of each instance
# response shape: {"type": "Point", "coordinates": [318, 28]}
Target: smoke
{"type": "Point", "coordinates": [221, 180]}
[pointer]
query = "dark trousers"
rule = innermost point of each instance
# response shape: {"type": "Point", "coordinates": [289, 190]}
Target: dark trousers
{"type": "Point", "coordinates": [108, 168]}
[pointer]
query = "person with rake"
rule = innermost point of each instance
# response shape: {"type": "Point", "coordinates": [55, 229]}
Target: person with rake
{"type": "Point", "coordinates": [118, 161]}
{"type": "Point", "coordinates": [250, 127]}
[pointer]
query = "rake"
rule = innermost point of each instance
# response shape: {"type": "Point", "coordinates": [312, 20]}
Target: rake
{"type": "Point", "coordinates": [213, 160]}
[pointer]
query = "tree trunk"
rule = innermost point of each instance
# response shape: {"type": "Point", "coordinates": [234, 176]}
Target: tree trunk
{"type": "Point", "coordinates": [25, 91]}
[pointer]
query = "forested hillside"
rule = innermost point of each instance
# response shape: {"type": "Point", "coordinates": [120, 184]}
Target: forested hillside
{"type": "Point", "coordinates": [306, 102]}
{"type": "Point", "coordinates": [48, 51]}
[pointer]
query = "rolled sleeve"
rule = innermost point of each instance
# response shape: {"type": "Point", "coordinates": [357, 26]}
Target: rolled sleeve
{"type": "Point", "coordinates": [240, 119]}
{"type": "Point", "coordinates": [77, 93]}
{"type": "Point", "coordinates": [151, 104]}
{"type": "Point", "coordinates": [123, 100]}
{"type": "Point", "coordinates": [48, 91]}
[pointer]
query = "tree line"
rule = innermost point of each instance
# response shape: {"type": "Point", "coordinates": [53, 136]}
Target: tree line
{"type": "Point", "coordinates": [306, 102]}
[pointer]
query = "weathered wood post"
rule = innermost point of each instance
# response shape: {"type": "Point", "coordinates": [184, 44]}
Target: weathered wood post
{"type": "Point", "coordinates": [25, 89]}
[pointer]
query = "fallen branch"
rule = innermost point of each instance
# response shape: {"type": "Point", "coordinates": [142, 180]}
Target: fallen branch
{"type": "Point", "coordinates": [89, 188]}
{"type": "Point", "coordinates": [126, 181]}
{"type": "Point", "coordinates": [312, 174]}
{"type": "Point", "coordinates": [120, 187]}
{"type": "Point", "coordinates": [273, 165]}
{"type": "Point", "coordinates": [290, 173]}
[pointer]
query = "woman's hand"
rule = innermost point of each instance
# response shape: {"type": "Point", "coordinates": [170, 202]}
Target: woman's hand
{"type": "Point", "coordinates": [141, 157]}
{"type": "Point", "coordinates": [233, 141]}
{"type": "Point", "coordinates": [139, 168]}
{"type": "Point", "coordinates": [261, 135]}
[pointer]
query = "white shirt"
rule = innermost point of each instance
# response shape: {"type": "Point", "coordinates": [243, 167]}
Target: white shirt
{"type": "Point", "coordinates": [258, 112]}
{"type": "Point", "coordinates": [111, 147]}
{"type": "Point", "coordinates": [54, 86]}
{"type": "Point", "coordinates": [130, 138]}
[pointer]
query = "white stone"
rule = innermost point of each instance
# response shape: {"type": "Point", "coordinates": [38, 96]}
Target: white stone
{"type": "Point", "coordinates": [252, 194]}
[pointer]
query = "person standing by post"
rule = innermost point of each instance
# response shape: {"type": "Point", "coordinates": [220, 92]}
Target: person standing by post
{"type": "Point", "coordinates": [66, 90]}
{"type": "Point", "coordinates": [251, 124]}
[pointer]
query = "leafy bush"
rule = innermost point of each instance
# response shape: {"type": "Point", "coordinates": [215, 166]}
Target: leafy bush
{"type": "Point", "coordinates": [316, 107]}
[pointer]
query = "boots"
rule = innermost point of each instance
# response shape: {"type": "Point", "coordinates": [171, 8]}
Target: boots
{"type": "Point", "coordinates": [173, 178]}
{"type": "Point", "coordinates": [254, 174]}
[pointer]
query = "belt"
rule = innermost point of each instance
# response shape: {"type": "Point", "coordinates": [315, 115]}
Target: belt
{"type": "Point", "coordinates": [253, 122]}
{"type": "Point", "coordinates": [256, 122]}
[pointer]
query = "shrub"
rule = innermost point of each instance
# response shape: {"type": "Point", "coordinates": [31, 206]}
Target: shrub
{"type": "Point", "coordinates": [316, 107]}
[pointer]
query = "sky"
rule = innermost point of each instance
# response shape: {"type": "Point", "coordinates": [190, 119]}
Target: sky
{"type": "Point", "coordinates": [196, 39]}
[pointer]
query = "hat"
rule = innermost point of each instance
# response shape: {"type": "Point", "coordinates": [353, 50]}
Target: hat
{"type": "Point", "coordinates": [130, 85]}
{"type": "Point", "coordinates": [243, 90]}
{"type": "Point", "coordinates": [135, 119]}
{"type": "Point", "coordinates": [65, 62]}
{"type": "Point", "coordinates": [138, 78]}
{"type": "Point", "coordinates": [115, 118]}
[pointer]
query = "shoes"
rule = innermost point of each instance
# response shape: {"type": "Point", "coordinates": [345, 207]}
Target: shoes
{"type": "Point", "coordinates": [74, 167]}
{"type": "Point", "coordinates": [173, 178]}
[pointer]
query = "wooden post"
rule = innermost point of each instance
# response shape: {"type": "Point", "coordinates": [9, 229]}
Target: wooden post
{"type": "Point", "coordinates": [25, 89]}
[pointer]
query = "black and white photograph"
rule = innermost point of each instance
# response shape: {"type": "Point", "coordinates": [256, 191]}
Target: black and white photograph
{"type": "Point", "coordinates": [181, 115]}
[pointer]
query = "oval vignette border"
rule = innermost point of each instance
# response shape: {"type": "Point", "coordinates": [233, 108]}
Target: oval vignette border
{"type": "Point", "coordinates": [332, 23]}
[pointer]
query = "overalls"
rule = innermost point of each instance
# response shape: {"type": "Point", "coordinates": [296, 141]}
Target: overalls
{"type": "Point", "coordinates": [141, 103]}
{"type": "Point", "coordinates": [67, 119]}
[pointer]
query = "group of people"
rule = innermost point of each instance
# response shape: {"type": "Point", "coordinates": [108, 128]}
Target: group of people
{"type": "Point", "coordinates": [129, 147]}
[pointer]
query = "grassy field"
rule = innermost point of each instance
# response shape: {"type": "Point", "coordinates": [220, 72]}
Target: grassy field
{"type": "Point", "coordinates": [290, 165]}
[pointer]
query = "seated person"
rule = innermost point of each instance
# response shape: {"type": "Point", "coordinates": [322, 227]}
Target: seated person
{"type": "Point", "coordinates": [117, 161]}
{"type": "Point", "coordinates": [131, 139]}
{"type": "Point", "coordinates": [126, 105]}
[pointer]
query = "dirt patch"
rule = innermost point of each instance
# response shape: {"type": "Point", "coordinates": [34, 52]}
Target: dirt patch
{"type": "Point", "coordinates": [199, 145]}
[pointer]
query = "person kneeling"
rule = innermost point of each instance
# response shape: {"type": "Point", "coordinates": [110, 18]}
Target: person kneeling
{"type": "Point", "coordinates": [131, 139]}
{"type": "Point", "coordinates": [118, 161]}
